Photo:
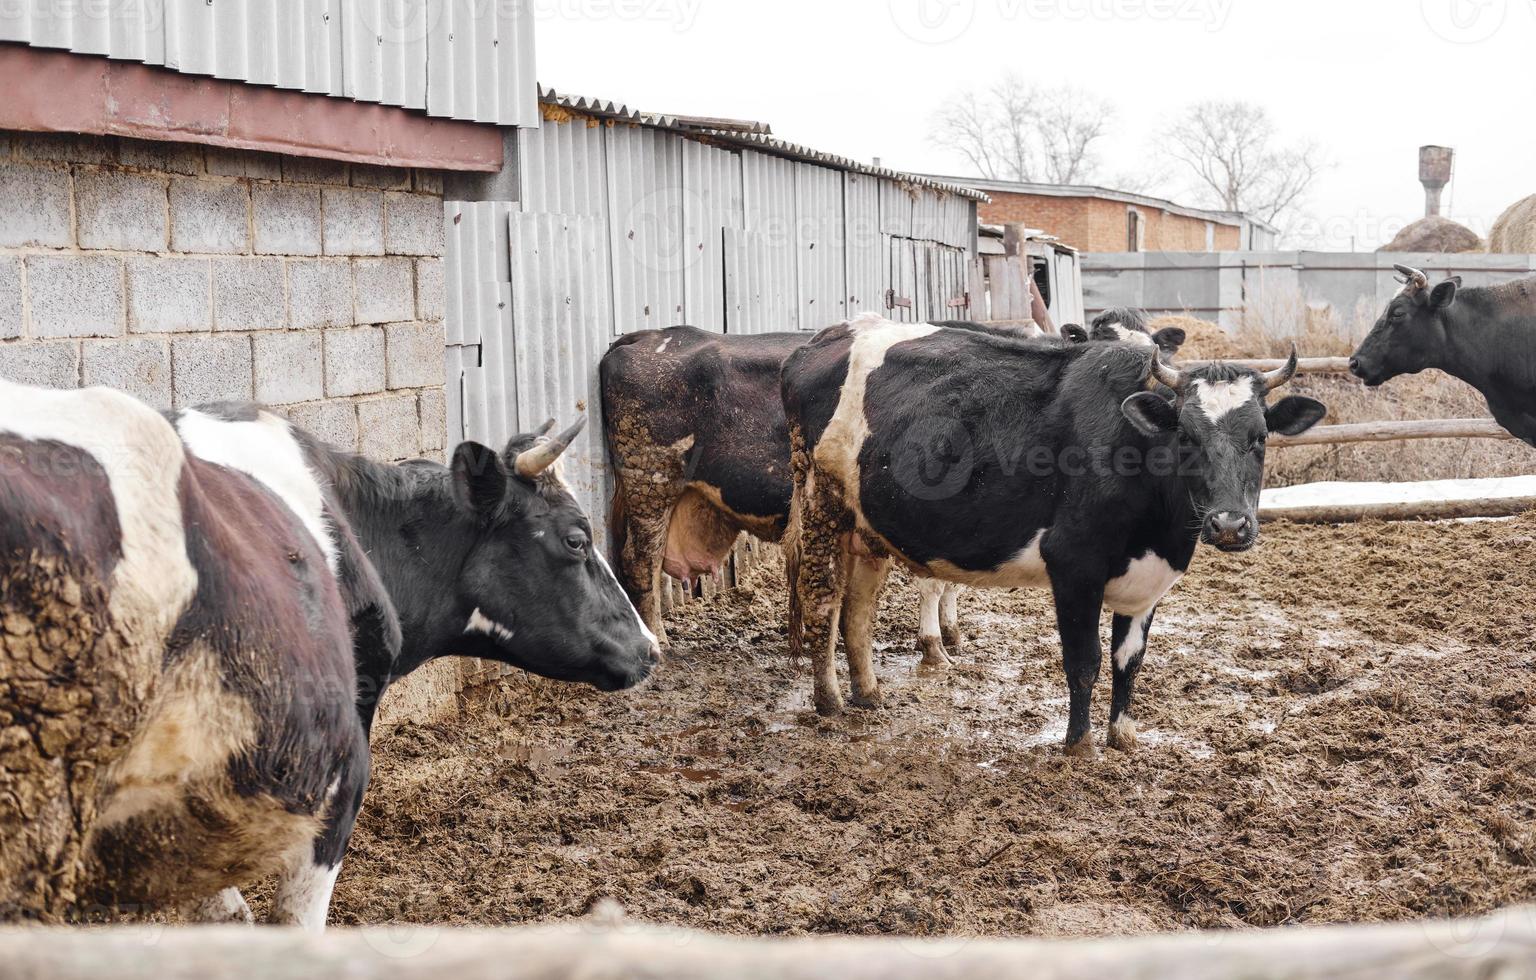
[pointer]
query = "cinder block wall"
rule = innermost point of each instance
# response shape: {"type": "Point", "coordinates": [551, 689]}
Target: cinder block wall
{"type": "Point", "coordinates": [183, 274]}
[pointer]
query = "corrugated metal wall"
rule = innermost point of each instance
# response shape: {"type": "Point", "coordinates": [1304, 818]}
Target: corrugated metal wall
{"type": "Point", "coordinates": [461, 59]}
{"type": "Point", "coordinates": [626, 227]}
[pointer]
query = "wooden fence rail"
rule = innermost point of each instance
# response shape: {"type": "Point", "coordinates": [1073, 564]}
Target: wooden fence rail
{"type": "Point", "coordinates": [1305, 365]}
{"type": "Point", "coordinates": [1389, 431]}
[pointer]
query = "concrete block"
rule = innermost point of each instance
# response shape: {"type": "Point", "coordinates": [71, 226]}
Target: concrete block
{"type": "Point", "coordinates": [354, 221]}
{"type": "Point", "coordinates": [381, 178]}
{"type": "Point", "coordinates": [210, 216]}
{"type": "Point", "coordinates": [415, 354]}
{"type": "Point", "coordinates": [66, 148]}
{"type": "Point", "coordinates": [120, 210]}
{"type": "Point", "coordinates": [385, 290]}
{"type": "Point", "coordinates": [36, 209]}
{"type": "Point", "coordinates": [175, 158]}
{"type": "Point", "coordinates": [290, 367]}
{"type": "Point", "coordinates": [434, 420]}
{"type": "Point", "coordinates": [334, 423]}
{"type": "Point", "coordinates": [210, 368]}
{"type": "Point", "coordinates": [286, 219]}
{"type": "Point", "coordinates": [429, 182]}
{"type": "Point", "coordinates": [225, 162]}
{"type": "Point", "coordinates": [311, 170]}
{"type": "Point", "coordinates": [319, 293]}
{"type": "Point", "coordinates": [141, 366]}
{"type": "Point", "coordinates": [75, 295]}
{"type": "Point", "coordinates": [389, 428]}
{"type": "Point", "coordinates": [47, 365]}
{"type": "Point", "coordinates": [413, 224]}
{"type": "Point", "coordinates": [10, 297]}
{"type": "Point", "coordinates": [168, 294]}
{"type": "Point", "coordinates": [431, 301]}
{"type": "Point", "coordinates": [249, 294]}
{"type": "Point", "coordinates": [354, 361]}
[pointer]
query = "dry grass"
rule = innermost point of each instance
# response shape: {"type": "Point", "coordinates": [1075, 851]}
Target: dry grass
{"type": "Point", "coordinates": [1270, 329]}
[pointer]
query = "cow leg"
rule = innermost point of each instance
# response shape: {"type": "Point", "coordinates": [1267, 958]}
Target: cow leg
{"type": "Point", "coordinates": [1077, 620]}
{"type": "Point", "coordinates": [866, 578]}
{"type": "Point", "coordinates": [303, 894]}
{"type": "Point", "coordinates": [822, 567]}
{"type": "Point", "coordinates": [1128, 640]}
{"type": "Point", "coordinates": [929, 642]}
{"type": "Point", "coordinates": [949, 618]}
{"type": "Point", "coordinates": [645, 539]}
{"type": "Point", "coordinates": [225, 907]}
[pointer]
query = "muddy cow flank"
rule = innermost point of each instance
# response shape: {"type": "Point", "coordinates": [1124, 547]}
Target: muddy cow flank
{"type": "Point", "coordinates": [191, 607]}
{"type": "Point", "coordinates": [1484, 336]}
{"type": "Point", "coordinates": [1064, 471]}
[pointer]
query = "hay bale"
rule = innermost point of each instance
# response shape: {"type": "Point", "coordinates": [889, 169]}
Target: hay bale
{"type": "Point", "coordinates": [1515, 231]}
{"type": "Point", "coordinates": [1204, 340]}
{"type": "Point", "coordinates": [1435, 234]}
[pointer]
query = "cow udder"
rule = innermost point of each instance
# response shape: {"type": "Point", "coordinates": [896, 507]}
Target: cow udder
{"type": "Point", "coordinates": [698, 538]}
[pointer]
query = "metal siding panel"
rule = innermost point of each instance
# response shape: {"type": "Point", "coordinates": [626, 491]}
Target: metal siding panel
{"type": "Point", "coordinates": [864, 248]}
{"type": "Point", "coordinates": [645, 191]}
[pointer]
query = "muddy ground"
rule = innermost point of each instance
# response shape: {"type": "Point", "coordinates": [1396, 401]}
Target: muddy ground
{"type": "Point", "coordinates": [1335, 727]}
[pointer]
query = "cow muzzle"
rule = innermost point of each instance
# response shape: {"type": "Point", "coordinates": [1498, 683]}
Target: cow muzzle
{"type": "Point", "coordinates": [1229, 531]}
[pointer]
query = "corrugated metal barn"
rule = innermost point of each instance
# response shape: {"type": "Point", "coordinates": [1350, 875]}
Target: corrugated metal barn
{"type": "Point", "coordinates": [627, 221]}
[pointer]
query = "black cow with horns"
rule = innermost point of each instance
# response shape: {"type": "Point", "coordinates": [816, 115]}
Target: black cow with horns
{"type": "Point", "coordinates": [1092, 470]}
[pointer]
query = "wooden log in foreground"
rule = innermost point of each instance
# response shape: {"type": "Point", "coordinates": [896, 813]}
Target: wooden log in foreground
{"type": "Point", "coordinates": [1500, 945]}
{"type": "Point", "coordinates": [1392, 431]}
{"type": "Point", "coordinates": [1304, 365]}
{"type": "Point", "coordinates": [1402, 510]}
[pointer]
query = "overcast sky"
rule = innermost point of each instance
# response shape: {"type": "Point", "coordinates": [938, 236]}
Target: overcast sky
{"type": "Point", "coordinates": [1370, 80]}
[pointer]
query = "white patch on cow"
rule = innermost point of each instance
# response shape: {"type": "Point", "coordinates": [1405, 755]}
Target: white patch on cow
{"type": "Point", "coordinates": [1218, 398]}
{"type": "Point", "coordinates": [265, 450]}
{"type": "Point", "coordinates": [663, 346]}
{"type": "Point", "coordinates": [304, 896]}
{"type": "Point", "coordinates": [655, 644]}
{"type": "Point", "coordinates": [143, 458]}
{"type": "Point", "coordinates": [1135, 637]}
{"type": "Point", "coordinates": [1025, 570]}
{"type": "Point", "coordinates": [479, 622]}
{"type": "Point", "coordinates": [951, 610]}
{"type": "Point", "coordinates": [1130, 336]}
{"type": "Point", "coordinates": [930, 592]}
{"type": "Point", "coordinates": [225, 907]}
{"type": "Point", "coordinates": [873, 337]}
{"type": "Point", "coordinates": [1142, 586]}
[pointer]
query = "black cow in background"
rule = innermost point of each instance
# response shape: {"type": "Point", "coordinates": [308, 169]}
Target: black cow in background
{"type": "Point", "coordinates": [1486, 336]}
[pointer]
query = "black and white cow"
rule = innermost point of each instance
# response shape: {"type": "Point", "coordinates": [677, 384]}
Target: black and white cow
{"type": "Point", "coordinates": [1484, 336]}
{"type": "Point", "coordinates": [197, 614]}
{"type": "Point", "coordinates": [1066, 467]}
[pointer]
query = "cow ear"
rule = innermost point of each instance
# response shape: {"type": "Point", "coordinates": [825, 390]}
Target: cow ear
{"type": "Point", "coordinates": [1150, 413]}
{"type": "Point", "coordinates": [1444, 294]}
{"type": "Point", "coordinates": [1075, 333]}
{"type": "Point", "coordinates": [479, 479]}
{"type": "Point", "coordinates": [1170, 339]}
{"type": "Point", "coordinates": [1293, 415]}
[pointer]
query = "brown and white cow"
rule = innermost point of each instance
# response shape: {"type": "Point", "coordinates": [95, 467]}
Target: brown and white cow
{"type": "Point", "coordinates": [187, 608]}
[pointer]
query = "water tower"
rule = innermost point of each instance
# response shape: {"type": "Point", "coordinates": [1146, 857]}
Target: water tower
{"type": "Point", "coordinates": [1434, 173]}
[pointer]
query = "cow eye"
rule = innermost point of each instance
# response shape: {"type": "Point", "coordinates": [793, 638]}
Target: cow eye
{"type": "Point", "coordinates": [576, 541]}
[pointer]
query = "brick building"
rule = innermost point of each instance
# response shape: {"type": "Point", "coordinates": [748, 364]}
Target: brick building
{"type": "Point", "coordinates": [1097, 219]}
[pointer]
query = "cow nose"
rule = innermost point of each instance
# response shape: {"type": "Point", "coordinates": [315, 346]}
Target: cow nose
{"type": "Point", "coordinates": [1354, 366]}
{"type": "Point", "coordinates": [1227, 528]}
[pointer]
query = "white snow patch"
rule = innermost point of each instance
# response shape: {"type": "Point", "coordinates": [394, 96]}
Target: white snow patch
{"type": "Point", "coordinates": [1314, 494]}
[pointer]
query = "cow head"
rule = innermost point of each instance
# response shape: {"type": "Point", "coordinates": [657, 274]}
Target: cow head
{"type": "Point", "coordinates": [1130, 326]}
{"type": "Point", "coordinates": [1411, 332]}
{"type": "Point", "coordinates": [1220, 420]}
{"type": "Point", "coordinates": [535, 591]}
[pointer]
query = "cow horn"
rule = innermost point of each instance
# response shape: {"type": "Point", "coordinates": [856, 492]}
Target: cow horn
{"type": "Point", "coordinates": [532, 462]}
{"type": "Point", "coordinates": [1411, 277]}
{"type": "Point", "coordinates": [1166, 374]}
{"type": "Point", "coordinates": [543, 430]}
{"type": "Point", "coordinates": [1282, 374]}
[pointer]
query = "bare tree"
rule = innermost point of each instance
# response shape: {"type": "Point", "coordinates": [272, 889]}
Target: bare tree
{"type": "Point", "coordinates": [1015, 131]}
{"type": "Point", "coordinates": [1234, 154]}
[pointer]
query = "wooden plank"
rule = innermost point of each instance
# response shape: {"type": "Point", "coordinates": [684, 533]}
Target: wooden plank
{"type": "Point", "coordinates": [1498, 945]}
{"type": "Point", "coordinates": [1393, 431]}
{"type": "Point", "coordinates": [1409, 510]}
{"type": "Point", "coordinates": [1305, 365]}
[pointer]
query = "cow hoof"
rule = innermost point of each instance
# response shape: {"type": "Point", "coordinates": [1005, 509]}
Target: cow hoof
{"type": "Point", "coordinates": [829, 706]}
{"type": "Point", "coordinates": [1083, 748]}
{"type": "Point", "coordinates": [868, 702]}
{"type": "Point", "coordinates": [935, 659]}
{"type": "Point", "coordinates": [1122, 735]}
{"type": "Point", "coordinates": [953, 641]}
